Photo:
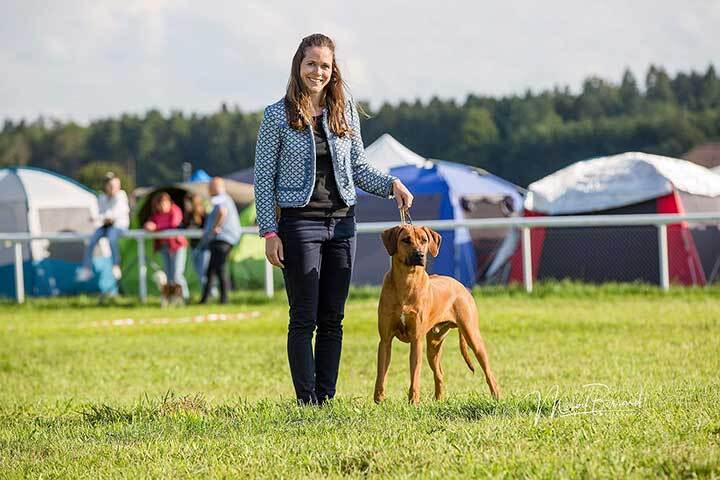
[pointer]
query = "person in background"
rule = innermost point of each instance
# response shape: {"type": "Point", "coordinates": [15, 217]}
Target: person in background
{"type": "Point", "coordinates": [222, 233]}
{"type": "Point", "coordinates": [115, 220]}
{"type": "Point", "coordinates": [166, 216]}
{"type": "Point", "coordinates": [194, 218]}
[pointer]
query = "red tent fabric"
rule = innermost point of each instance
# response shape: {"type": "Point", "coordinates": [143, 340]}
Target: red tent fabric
{"type": "Point", "coordinates": [684, 262]}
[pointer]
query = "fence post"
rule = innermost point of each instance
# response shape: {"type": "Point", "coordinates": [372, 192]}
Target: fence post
{"type": "Point", "coordinates": [663, 251]}
{"type": "Point", "coordinates": [527, 260]}
{"type": "Point", "coordinates": [269, 287]}
{"type": "Point", "coordinates": [142, 269]}
{"type": "Point", "coordinates": [19, 278]}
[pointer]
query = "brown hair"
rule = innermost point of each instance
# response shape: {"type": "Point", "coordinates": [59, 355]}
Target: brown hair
{"type": "Point", "coordinates": [297, 100]}
{"type": "Point", "coordinates": [194, 209]}
{"type": "Point", "coordinates": [157, 199]}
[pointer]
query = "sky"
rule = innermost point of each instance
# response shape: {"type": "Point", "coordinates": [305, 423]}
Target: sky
{"type": "Point", "coordinates": [83, 60]}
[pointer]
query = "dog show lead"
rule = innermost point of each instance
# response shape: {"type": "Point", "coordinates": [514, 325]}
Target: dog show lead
{"type": "Point", "coordinates": [308, 160]}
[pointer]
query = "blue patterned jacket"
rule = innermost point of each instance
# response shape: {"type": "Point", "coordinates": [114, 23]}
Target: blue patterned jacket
{"type": "Point", "coordinates": [285, 165]}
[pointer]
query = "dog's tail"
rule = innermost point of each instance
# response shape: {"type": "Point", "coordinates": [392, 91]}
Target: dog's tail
{"type": "Point", "coordinates": [464, 351]}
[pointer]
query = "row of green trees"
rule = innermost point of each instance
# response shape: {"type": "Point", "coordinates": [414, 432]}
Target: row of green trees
{"type": "Point", "coordinates": [521, 138]}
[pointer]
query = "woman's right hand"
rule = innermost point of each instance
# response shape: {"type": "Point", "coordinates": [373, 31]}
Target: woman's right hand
{"type": "Point", "coordinates": [274, 251]}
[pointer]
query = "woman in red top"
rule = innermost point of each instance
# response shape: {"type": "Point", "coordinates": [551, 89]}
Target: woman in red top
{"type": "Point", "coordinates": [166, 216]}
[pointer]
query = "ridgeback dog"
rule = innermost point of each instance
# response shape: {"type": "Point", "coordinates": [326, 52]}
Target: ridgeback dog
{"type": "Point", "coordinates": [416, 306]}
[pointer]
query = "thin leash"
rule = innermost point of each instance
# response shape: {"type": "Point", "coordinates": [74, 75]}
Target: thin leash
{"type": "Point", "coordinates": [405, 218]}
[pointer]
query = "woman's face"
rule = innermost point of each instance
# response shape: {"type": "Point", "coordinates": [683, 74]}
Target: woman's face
{"type": "Point", "coordinates": [165, 205]}
{"type": "Point", "coordinates": [316, 68]}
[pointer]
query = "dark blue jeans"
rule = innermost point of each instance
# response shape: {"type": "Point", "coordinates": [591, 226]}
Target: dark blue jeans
{"type": "Point", "coordinates": [318, 259]}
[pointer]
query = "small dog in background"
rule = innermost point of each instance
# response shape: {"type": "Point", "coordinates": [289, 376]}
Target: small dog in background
{"type": "Point", "coordinates": [170, 293]}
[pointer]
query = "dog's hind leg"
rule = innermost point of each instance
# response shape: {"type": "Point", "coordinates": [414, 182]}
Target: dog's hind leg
{"type": "Point", "coordinates": [468, 324]}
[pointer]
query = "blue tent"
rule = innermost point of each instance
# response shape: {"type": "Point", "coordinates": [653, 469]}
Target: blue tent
{"type": "Point", "coordinates": [200, 175]}
{"type": "Point", "coordinates": [38, 201]}
{"type": "Point", "coordinates": [442, 190]}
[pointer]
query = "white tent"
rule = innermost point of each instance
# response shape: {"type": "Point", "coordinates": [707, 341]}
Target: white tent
{"type": "Point", "coordinates": [37, 201]}
{"type": "Point", "coordinates": [617, 181]}
{"type": "Point", "coordinates": [386, 153]}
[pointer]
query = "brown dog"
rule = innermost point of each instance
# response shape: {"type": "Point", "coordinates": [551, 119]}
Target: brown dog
{"type": "Point", "coordinates": [171, 294]}
{"type": "Point", "coordinates": [415, 305]}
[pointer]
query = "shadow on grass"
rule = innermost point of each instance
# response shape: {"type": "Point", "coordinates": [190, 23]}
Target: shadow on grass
{"type": "Point", "coordinates": [477, 408]}
{"type": "Point", "coordinates": [285, 414]}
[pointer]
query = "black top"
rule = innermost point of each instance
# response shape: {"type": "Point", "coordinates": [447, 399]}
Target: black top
{"type": "Point", "coordinates": [325, 201]}
{"type": "Point", "coordinates": [189, 222]}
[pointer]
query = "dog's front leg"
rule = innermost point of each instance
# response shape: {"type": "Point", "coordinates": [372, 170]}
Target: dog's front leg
{"type": "Point", "coordinates": [416, 352]}
{"type": "Point", "coordinates": [383, 362]}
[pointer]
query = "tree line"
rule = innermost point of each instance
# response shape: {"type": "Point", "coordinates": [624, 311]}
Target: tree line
{"type": "Point", "coordinates": [520, 137]}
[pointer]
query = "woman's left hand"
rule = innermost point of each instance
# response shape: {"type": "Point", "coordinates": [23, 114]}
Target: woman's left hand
{"type": "Point", "coordinates": [403, 197]}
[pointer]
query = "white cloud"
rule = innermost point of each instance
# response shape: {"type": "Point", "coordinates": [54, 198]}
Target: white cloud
{"type": "Point", "coordinates": [82, 60]}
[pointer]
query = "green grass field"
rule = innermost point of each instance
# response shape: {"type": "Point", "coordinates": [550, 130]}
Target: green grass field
{"type": "Point", "coordinates": [613, 382]}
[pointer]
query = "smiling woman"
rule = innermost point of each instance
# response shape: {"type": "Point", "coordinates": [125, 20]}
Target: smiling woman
{"type": "Point", "coordinates": [309, 158]}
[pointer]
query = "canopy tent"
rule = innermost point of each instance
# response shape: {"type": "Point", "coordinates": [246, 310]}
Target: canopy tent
{"type": "Point", "coordinates": [442, 190]}
{"type": "Point", "coordinates": [38, 201]}
{"type": "Point", "coordinates": [627, 183]}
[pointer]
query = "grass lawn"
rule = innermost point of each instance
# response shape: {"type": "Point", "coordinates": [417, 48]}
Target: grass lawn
{"type": "Point", "coordinates": [614, 381]}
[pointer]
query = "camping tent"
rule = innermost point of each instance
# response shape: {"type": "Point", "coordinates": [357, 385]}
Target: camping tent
{"type": "Point", "coordinates": [39, 201]}
{"type": "Point", "coordinates": [442, 190]}
{"type": "Point", "coordinates": [627, 183]}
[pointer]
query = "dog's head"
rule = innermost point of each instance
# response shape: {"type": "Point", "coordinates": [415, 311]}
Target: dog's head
{"type": "Point", "coordinates": [411, 244]}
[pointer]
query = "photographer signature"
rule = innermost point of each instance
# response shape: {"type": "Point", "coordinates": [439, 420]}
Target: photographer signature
{"type": "Point", "coordinates": [595, 400]}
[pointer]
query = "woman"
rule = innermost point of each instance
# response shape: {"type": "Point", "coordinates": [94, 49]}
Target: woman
{"type": "Point", "coordinates": [309, 158]}
{"type": "Point", "coordinates": [166, 216]}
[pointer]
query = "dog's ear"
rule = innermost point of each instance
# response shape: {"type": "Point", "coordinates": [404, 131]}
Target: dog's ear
{"type": "Point", "coordinates": [435, 239]}
{"type": "Point", "coordinates": [390, 238]}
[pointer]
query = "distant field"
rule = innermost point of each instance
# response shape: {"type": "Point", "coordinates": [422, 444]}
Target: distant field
{"type": "Point", "coordinates": [616, 381]}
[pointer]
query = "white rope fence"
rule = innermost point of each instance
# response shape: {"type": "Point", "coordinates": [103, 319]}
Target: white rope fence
{"type": "Point", "coordinates": [525, 224]}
